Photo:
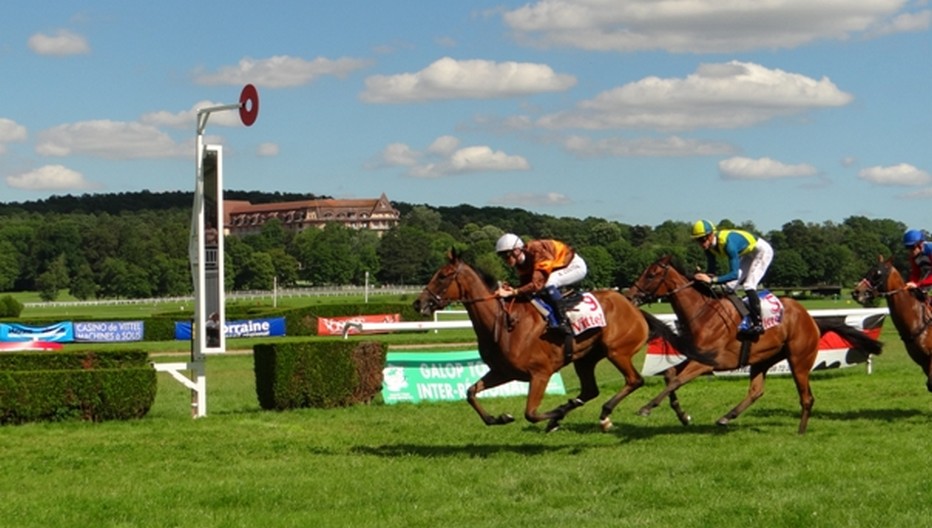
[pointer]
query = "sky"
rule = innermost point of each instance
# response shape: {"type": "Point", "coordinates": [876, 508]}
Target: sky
{"type": "Point", "coordinates": [636, 111]}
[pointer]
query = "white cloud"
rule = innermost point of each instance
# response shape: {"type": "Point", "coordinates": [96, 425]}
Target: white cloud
{"type": "Point", "coordinates": [672, 146]}
{"type": "Point", "coordinates": [723, 95]}
{"type": "Point", "coordinates": [62, 43]}
{"type": "Point", "coordinates": [396, 155]}
{"type": "Point", "coordinates": [267, 150]}
{"type": "Point", "coordinates": [10, 131]}
{"type": "Point", "coordinates": [530, 199]}
{"type": "Point", "coordinates": [700, 26]}
{"type": "Point", "coordinates": [110, 140]}
{"type": "Point", "coordinates": [443, 158]}
{"type": "Point", "coordinates": [50, 178]}
{"type": "Point", "coordinates": [188, 118]}
{"type": "Point", "coordinates": [739, 168]}
{"type": "Point", "coordinates": [444, 145]}
{"type": "Point", "coordinates": [905, 23]}
{"type": "Point", "coordinates": [903, 174]}
{"type": "Point", "coordinates": [280, 71]}
{"type": "Point", "coordinates": [448, 78]}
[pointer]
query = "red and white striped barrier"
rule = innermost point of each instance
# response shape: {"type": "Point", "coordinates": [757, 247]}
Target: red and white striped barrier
{"type": "Point", "coordinates": [834, 351]}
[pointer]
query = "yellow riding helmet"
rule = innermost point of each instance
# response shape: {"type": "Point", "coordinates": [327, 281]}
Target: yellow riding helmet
{"type": "Point", "coordinates": [703, 228]}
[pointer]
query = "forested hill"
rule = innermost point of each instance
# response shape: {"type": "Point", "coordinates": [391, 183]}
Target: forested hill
{"type": "Point", "coordinates": [134, 202]}
{"type": "Point", "coordinates": [116, 203]}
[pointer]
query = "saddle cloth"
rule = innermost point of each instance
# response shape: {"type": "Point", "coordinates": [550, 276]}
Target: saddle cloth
{"type": "Point", "coordinates": [771, 311]}
{"type": "Point", "coordinates": [586, 314]}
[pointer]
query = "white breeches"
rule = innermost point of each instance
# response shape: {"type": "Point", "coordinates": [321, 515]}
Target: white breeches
{"type": "Point", "coordinates": [571, 274]}
{"type": "Point", "coordinates": [753, 267]}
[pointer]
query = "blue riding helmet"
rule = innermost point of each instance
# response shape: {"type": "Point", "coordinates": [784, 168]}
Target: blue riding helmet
{"type": "Point", "coordinates": [912, 237]}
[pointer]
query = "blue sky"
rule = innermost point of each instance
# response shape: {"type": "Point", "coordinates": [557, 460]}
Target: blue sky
{"type": "Point", "coordinates": [636, 111]}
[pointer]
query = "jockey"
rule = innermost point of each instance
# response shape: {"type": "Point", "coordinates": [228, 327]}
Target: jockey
{"type": "Point", "coordinates": [543, 267]}
{"type": "Point", "coordinates": [920, 260]}
{"type": "Point", "coordinates": [748, 259]}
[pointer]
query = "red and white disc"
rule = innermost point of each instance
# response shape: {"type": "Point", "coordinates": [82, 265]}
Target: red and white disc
{"type": "Point", "coordinates": [248, 105]}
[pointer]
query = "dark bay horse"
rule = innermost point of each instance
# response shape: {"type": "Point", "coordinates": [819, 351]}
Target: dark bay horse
{"type": "Point", "coordinates": [515, 344]}
{"type": "Point", "coordinates": [911, 315]}
{"type": "Point", "coordinates": [709, 324]}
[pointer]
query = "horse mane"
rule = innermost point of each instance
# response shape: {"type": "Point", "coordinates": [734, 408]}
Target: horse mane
{"type": "Point", "coordinates": [490, 282]}
{"type": "Point", "coordinates": [704, 288]}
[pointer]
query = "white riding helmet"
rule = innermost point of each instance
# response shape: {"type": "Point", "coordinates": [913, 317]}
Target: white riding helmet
{"type": "Point", "coordinates": [507, 242]}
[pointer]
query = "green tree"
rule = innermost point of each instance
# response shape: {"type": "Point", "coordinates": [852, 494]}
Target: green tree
{"type": "Point", "coordinates": [52, 280]}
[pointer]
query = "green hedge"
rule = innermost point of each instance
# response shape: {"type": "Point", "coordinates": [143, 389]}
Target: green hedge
{"type": "Point", "coordinates": [93, 386]}
{"type": "Point", "coordinates": [331, 374]}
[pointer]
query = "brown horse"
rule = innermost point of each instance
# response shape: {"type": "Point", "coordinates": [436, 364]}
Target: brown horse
{"type": "Point", "coordinates": [515, 344]}
{"type": "Point", "coordinates": [911, 315]}
{"type": "Point", "coordinates": [709, 324]}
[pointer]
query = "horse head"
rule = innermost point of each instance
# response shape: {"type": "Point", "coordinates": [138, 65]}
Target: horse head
{"type": "Point", "coordinates": [875, 283]}
{"type": "Point", "coordinates": [659, 279]}
{"type": "Point", "coordinates": [443, 287]}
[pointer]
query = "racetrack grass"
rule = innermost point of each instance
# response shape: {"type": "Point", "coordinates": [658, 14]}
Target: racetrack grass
{"type": "Point", "coordinates": [862, 463]}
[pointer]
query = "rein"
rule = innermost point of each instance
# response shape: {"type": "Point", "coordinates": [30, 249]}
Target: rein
{"type": "Point", "coordinates": [919, 329]}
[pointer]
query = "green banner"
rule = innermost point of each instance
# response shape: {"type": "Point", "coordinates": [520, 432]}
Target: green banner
{"type": "Point", "coordinates": [445, 376]}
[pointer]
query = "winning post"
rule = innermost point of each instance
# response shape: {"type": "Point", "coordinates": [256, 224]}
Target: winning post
{"type": "Point", "coordinates": [205, 252]}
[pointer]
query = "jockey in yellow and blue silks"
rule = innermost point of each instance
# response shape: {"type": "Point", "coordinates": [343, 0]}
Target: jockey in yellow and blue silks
{"type": "Point", "coordinates": [748, 259]}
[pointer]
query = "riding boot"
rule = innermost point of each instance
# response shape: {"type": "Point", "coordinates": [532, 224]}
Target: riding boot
{"type": "Point", "coordinates": [554, 298]}
{"type": "Point", "coordinates": [755, 326]}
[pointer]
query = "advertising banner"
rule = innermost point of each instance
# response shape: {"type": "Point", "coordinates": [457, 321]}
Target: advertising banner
{"type": "Point", "coordinates": [335, 325]}
{"type": "Point", "coordinates": [834, 350]}
{"type": "Point", "coordinates": [431, 376]}
{"type": "Point", "coordinates": [270, 327]}
{"type": "Point", "coordinates": [57, 333]}
{"type": "Point", "coordinates": [108, 331]}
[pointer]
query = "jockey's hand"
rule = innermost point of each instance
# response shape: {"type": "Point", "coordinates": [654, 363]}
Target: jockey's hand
{"type": "Point", "coordinates": [504, 291]}
{"type": "Point", "coordinates": [911, 285]}
{"type": "Point", "coordinates": [702, 277]}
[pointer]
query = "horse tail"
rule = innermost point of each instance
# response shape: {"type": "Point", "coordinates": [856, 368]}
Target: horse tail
{"type": "Point", "coordinates": [857, 338]}
{"type": "Point", "coordinates": [681, 342]}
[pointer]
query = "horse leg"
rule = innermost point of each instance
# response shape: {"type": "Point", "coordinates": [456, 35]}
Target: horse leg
{"type": "Point", "coordinates": [755, 391]}
{"type": "Point", "coordinates": [588, 389]}
{"type": "Point", "coordinates": [683, 417]}
{"type": "Point", "coordinates": [535, 394]}
{"type": "Point", "coordinates": [633, 382]}
{"type": "Point", "coordinates": [491, 379]}
{"type": "Point", "coordinates": [692, 370]}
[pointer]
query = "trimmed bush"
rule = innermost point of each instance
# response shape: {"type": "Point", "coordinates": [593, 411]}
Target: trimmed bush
{"type": "Point", "coordinates": [93, 386]}
{"type": "Point", "coordinates": [331, 374]}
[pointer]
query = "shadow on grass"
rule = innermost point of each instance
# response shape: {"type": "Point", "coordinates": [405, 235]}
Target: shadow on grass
{"type": "Point", "coordinates": [625, 434]}
{"type": "Point", "coordinates": [881, 415]}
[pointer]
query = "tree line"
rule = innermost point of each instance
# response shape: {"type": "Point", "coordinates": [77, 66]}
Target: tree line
{"type": "Point", "coordinates": [135, 245]}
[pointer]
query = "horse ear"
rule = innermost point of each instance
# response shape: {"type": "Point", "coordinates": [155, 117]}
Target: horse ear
{"type": "Point", "coordinates": [451, 255]}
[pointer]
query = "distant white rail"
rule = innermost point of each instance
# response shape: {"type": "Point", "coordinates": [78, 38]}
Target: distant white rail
{"type": "Point", "coordinates": [435, 325]}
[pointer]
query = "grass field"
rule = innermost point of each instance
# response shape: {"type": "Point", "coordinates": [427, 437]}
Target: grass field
{"type": "Point", "coordinates": [862, 462]}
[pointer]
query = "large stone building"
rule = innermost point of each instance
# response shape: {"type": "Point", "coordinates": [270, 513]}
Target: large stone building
{"type": "Point", "coordinates": [244, 218]}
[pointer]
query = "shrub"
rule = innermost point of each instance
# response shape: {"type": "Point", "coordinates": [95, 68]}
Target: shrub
{"type": "Point", "coordinates": [10, 307]}
{"type": "Point", "coordinates": [330, 374]}
{"type": "Point", "coordinates": [93, 386]}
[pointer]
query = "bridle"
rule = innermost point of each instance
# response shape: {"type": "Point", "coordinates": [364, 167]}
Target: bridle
{"type": "Point", "coordinates": [440, 301]}
{"type": "Point", "coordinates": [645, 295]}
{"type": "Point", "coordinates": [873, 289]}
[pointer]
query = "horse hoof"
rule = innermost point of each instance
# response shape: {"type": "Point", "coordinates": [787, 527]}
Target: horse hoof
{"type": "Point", "coordinates": [552, 426]}
{"type": "Point", "coordinates": [722, 422]}
{"type": "Point", "coordinates": [686, 420]}
{"type": "Point", "coordinates": [506, 419]}
{"type": "Point", "coordinates": [606, 424]}
{"type": "Point", "coordinates": [645, 411]}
